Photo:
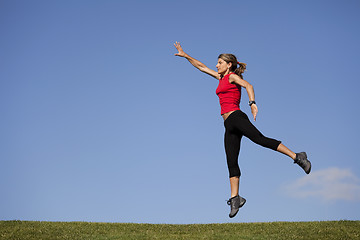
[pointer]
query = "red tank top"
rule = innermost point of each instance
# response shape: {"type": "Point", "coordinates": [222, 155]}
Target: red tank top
{"type": "Point", "coordinates": [229, 94]}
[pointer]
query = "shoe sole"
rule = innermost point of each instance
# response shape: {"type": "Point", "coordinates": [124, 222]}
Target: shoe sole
{"type": "Point", "coordinates": [308, 171]}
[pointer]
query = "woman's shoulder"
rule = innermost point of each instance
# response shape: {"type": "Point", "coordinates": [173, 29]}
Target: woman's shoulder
{"type": "Point", "coordinates": [233, 77]}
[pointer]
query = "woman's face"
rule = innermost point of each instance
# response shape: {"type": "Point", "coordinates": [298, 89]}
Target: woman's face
{"type": "Point", "coordinates": [222, 66]}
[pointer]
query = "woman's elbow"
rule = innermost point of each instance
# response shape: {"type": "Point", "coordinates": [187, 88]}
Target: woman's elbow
{"type": "Point", "coordinates": [203, 68]}
{"type": "Point", "coordinates": [248, 86]}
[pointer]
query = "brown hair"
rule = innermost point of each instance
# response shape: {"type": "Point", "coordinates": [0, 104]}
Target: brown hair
{"type": "Point", "coordinates": [230, 58]}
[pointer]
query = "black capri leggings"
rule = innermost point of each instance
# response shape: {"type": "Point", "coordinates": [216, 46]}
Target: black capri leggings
{"type": "Point", "coordinates": [236, 126]}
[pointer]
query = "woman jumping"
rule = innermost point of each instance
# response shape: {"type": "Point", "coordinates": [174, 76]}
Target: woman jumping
{"type": "Point", "coordinates": [237, 124]}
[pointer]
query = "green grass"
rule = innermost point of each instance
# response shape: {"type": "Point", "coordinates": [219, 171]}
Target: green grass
{"type": "Point", "coordinates": [85, 230]}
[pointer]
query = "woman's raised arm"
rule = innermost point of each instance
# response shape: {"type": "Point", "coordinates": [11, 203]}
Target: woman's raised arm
{"type": "Point", "coordinates": [199, 65]}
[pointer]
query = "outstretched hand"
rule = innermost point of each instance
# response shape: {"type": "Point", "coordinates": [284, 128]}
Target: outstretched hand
{"type": "Point", "coordinates": [181, 52]}
{"type": "Point", "coordinates": [254, 110]}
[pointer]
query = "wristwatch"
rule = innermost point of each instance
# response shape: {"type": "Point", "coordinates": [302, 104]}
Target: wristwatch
{"type": "Point", "coordinates": [251, 103]}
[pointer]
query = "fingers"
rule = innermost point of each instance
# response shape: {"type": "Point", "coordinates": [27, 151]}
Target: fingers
{"type": "Point", "coordinates": [177, 45]}
{"type": "Point", "coordinates": [254, 111]}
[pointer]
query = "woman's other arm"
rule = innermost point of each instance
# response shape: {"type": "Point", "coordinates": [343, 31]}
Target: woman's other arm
{"type": "Point", "coordinates": [249, 89]}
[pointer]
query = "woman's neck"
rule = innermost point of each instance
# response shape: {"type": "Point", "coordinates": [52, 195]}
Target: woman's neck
{"type": "Point", "coordinates": [226, 73]}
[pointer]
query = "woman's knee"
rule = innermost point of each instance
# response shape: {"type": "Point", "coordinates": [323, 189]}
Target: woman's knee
{"type": "Point", "coordinates": [267, 142]}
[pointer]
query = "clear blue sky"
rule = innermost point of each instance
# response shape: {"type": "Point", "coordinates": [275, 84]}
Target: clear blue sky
{"type": "Point", "coordinates": [101, 122]}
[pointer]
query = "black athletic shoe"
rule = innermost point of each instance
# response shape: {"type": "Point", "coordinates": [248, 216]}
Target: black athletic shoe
{"type": "Point", "coordinates": [302, 161]}
{"type": "Point", "coordinates": [235, 203]}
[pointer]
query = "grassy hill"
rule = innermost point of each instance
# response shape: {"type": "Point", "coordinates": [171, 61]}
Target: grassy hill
{"type": "Point", "coordinates": [85, 230]}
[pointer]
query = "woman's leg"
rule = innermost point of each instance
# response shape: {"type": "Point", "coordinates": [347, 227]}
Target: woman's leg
{"type": "Point", "coordinates": [234, 186]}
{"type": "Point", "coordinates": [232, 142]}
{"type": "Point", "coordinates": [232, 148]}
{"type": "Point", "coordinates": [283, 149]}
{"type": "Point", "coordinates": [249, 130]}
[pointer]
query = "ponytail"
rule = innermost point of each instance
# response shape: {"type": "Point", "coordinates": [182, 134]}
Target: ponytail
{"type": "Point", "coordinates": [240, 70]}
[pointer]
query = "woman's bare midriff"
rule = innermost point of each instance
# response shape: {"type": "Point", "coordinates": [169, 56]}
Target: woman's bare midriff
{"type": "Point", "coordinates": [226, 115]}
